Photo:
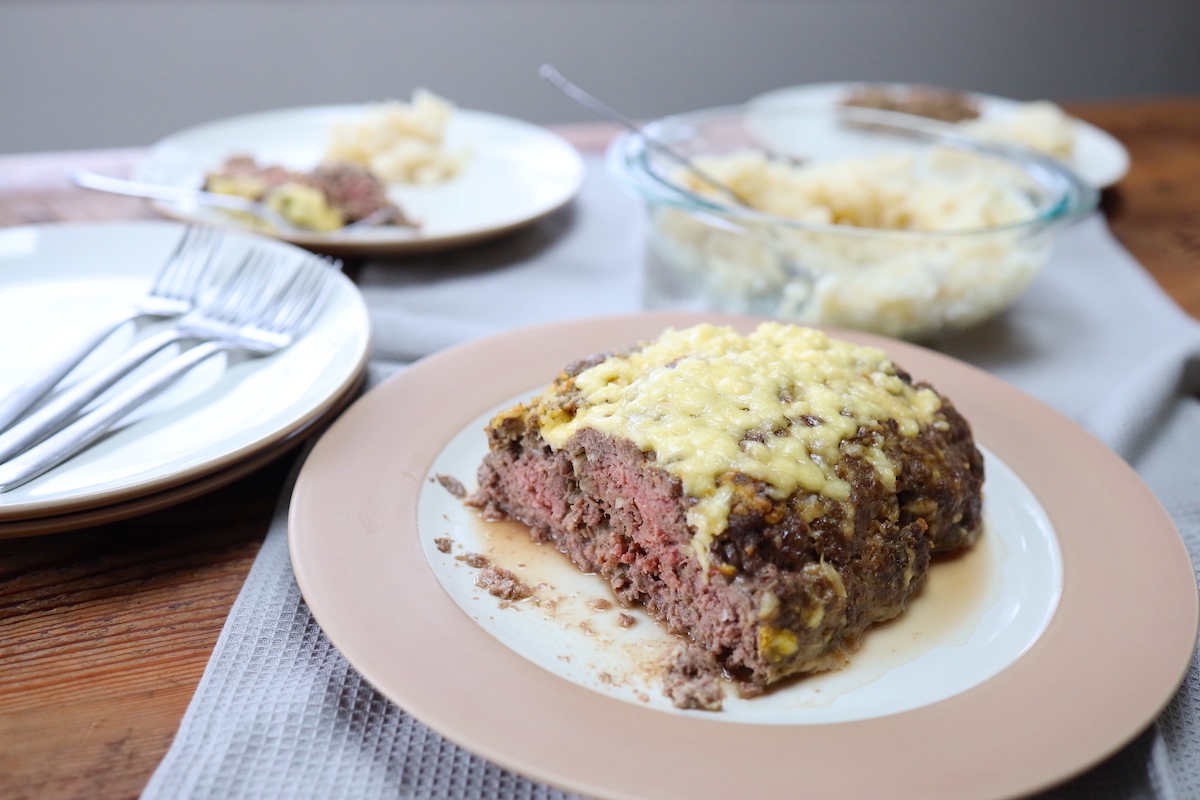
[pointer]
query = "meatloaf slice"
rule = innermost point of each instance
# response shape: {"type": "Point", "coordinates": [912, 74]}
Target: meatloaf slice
{"type": "Point", "coordinates": [768, 574]}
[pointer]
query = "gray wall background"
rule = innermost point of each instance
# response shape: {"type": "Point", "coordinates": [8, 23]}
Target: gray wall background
{"type": "Point", "coordinates": [110, 73]}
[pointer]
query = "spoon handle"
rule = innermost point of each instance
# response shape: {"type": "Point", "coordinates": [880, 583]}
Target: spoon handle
{"type": "Point", "coordinates": [583, 98]}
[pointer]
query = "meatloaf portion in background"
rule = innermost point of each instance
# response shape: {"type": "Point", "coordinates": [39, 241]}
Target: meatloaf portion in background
{"type": "Point", "coordinates": [324, 199]}
{"type": "Point", "coordinates": [767, 497]}
{"type": "Point", "coordinates": [947, 105]}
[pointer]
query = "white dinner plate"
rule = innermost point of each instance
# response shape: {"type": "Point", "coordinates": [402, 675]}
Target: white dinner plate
{"type": "Point", "coordinates": [517, 173]}
{"type": "Point", "coordinates": [1098, 157]}
{"type": "Point", "coordinates": [1004, 677]}
{"type": "Point", "coordinates": [977, 614]}
{"type": "Point", "coordinates": [58, 283]}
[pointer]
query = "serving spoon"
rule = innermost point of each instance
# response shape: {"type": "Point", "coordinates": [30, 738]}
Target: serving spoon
{"type": "Point", "coordinates": [606, 112]}
{"type": "Point", "coordinates": [600, 109]}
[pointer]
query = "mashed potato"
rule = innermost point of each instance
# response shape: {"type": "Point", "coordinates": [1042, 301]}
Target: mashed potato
{"type": "Point", "coordinates": [916, 272]}
{"type": "Point", "coordinates": [939, 190]}
{"type": "Point", "coordinates": [400, 142]}
{"type": "Point", "coordinates": [1042, 126]}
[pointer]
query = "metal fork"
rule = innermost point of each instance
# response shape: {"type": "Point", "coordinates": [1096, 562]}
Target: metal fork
{"type": "Point", "coordinates": [265, 329]}
{"type": "Point", "coordinates": [173, 294]}
{"type": "Point", "coordinates": [239, 295]}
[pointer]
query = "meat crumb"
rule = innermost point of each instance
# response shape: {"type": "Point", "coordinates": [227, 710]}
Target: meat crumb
{"type": "Point", "coordinates": [452, 485]}
{"type": "Point", "coordinates": [625, 620]}
{"type": "Point", "coordinates": [443, 544]}
{"type": "Point", "coordinates": [600, 604]}
{"type": "Point", "coordinates": [690, 679]}
{"type": "Point", "coordinates": [604, 677]}
{"type": "Point", "coordinates": [476, 560]}
{"type": "Point", "coordinates": [748, 689]}
{"type": "Point", "coordinates": [501, 583]}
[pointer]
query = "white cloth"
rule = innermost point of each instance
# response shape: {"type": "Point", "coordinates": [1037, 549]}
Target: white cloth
{"type": "Point", "coordinates": [280, 714]}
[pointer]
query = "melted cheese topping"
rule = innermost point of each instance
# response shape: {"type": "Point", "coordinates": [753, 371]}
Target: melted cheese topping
{"type": "Point", "coordinates": [778, 405]}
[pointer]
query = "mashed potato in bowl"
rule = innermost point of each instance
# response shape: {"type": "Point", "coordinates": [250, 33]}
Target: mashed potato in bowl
{"type": "Point", "coordinates": [901, 229]}
{"type": "Point", "coordinates": [906, 285]}
{"type": "Point", "coordinates": [940, 189]}
{"type": "Point", "coordinates": [910, 289]}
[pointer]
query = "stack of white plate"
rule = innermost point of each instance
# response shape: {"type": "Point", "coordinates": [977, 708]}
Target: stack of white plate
{"type": "Point", "coordinates": [60, 282]}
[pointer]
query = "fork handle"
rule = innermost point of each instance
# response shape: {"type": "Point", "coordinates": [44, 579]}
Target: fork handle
{"type": "Point", "coordinates": [27, 394]}
{"type": "Point", "coordinates": [85, 430]}
{"type": "Point", "coordinates": [49, 418]}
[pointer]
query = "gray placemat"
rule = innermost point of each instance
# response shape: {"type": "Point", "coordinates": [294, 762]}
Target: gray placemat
{"type": "Point", "coordinates": [280, 714]}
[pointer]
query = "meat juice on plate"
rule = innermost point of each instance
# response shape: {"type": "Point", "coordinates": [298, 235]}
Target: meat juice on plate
{"type": "Point", "coordinates": [958, 589]}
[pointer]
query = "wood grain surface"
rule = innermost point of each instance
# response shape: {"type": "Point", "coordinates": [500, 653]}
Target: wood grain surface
{"type": "Point", "coordinates": [104, 632]}
{"type": "Point", "coordinates": [1155, 210]}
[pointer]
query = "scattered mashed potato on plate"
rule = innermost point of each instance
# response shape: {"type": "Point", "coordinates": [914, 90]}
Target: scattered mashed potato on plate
{"type": "Point", "coordinates": [400, 142]}
{"type": "Point", "coordinates": [1042, 126]}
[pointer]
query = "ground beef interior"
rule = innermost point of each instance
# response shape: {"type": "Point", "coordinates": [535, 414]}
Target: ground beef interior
{"type": "Point", "coordinates": [791, 585]}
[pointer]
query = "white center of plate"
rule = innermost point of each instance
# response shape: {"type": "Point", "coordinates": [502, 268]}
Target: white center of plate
{"type": "Point", "coordinates": [978, 612]}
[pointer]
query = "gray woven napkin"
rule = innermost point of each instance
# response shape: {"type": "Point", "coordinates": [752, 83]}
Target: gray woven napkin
{"type": "Point", "coordinates": [280, 714]}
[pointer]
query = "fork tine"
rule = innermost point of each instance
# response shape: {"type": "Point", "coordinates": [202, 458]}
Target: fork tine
{"type": "Point", "coordinates": [296, 297]}
{"type": "Point", "coordinates": [258, 292]}
{"type": "Point", "coordinates": [181, 275]}
{"type": "Point", "coordinates": [277, 275]}
{"type": "Point", "coordinates": [296, 302]}
{"type": "Point", "coordinates": [281, 301]}
{"type": "Point", "coordinates": [305, 312]}
{"type": "Point", "coordinates": [298, 326]}
{"type": "Point", "coordinates": [230, 287]}
{"type": "Point", "coordinates": [182, 247]}
{"type": "Point", "coordinates": [243, 287]}
{"type": "Point", "coordinates": [189, 281]}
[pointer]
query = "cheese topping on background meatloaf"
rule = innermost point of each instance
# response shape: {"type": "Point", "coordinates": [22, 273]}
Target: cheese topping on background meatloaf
{"type": "Point", "coordinates": [778, 405]}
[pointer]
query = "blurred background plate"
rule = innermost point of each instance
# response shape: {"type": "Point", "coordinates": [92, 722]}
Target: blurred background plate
{"type": "Point", "coordinates": [59, 282]}
{"type": "Point", "coordinates": [517, 173]}
{"type": "Point", "coordinates": [1097, 156]}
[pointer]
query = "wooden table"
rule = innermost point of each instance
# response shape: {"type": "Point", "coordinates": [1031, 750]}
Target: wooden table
{"type": "Point", "coordinates": [104, 632]}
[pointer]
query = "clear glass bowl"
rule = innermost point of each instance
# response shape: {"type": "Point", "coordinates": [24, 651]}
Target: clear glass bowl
{"type": "Point", "coordinates": [707, 252]}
